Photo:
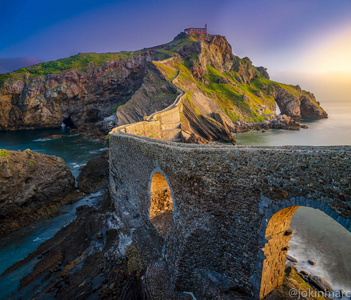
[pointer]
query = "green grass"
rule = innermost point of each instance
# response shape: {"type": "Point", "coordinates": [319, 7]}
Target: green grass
{"type": "Point", "coordinates": [289, 88]}
{"type": "Point", "coordinates": [229, 97]}
{"type": "Point", "coordinates": [80, 62]}
{"type": "Point", "coordinates": [167, 71]}
{"type": "Point", "coordinates": [172, 47]}
{"type": "Point", "coordinates": [116, 108]}
{"type": "Point", "coordinates": [4, 154]}
{"type": "Point", "coordinates": [84, 62]}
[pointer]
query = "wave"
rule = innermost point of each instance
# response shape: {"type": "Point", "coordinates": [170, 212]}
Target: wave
{"type": "Point", "coordinates": [76, 165]}
{"type": "Point", "coordinates": [42, 140]}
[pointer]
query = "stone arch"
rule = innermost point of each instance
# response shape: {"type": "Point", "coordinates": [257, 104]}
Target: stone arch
{"type": "Point", "coordinates": [275, 235]}
{"type": "Point", "coordinates": [161, 202]}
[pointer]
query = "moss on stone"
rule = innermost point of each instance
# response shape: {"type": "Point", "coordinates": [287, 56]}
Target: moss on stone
{"type": "Point", "coordinates": [4, 154]}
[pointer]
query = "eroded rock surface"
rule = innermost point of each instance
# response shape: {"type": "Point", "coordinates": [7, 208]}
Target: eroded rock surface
{"type": "Point", "coordinates": [294, 287]}
{"type": "Point", "coordinates": [297, 103]}
{"type": "Point", "coordinates": [90, 258]}
{"type": "Point", "coordinates": [155, 94]}
{"type": "Point", "coordinates": [75, 97]}
{"type": "Point", "coordinates": [94, 175]}
{"type": "Point", "coordinates": [220, 88]}
{"type": "Point", "coordinates": [32, 185]}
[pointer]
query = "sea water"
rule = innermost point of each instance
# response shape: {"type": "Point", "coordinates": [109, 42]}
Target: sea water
{"type": "Point", "coordinates": [76, 150]}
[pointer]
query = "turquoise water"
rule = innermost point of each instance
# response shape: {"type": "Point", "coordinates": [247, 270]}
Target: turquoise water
{"type": "Point", "coordinates": [336, 130]}
{"type": "Point", "coordinates": [73, 148]}
{"type": "Point", "coordinates": [76, 151]}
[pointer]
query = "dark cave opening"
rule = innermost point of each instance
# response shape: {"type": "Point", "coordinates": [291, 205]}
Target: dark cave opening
{"type": "Point", "coordinates": [68, 122]}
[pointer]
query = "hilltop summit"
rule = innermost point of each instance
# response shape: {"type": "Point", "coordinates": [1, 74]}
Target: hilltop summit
{"type": "Point", "coordinates": [224, 93]}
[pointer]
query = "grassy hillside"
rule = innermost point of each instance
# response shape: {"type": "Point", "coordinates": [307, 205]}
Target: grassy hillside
{"type": "Point", "coordinates": [240, 101]}
{"type": "Point", "coordinates": [83, 62]}
{"type": "Point", "coordinates": [80, 62]}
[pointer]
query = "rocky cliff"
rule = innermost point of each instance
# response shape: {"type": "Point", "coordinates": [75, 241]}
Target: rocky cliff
{"type": "Point", "coordinates": [32, 185]}
{"type": "Point", "coordinates": [75, 97]}
{"type": "Point", "coordinates": [120, 88]}
{"type": "Point", "coordinates": [228, 94]}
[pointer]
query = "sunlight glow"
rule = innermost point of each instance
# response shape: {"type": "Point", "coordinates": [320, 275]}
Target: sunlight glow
{"type": "Point", "coordinates": [329, 53]}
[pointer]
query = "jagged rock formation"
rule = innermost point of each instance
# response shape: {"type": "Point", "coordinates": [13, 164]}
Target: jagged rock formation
{"type": "Point", "coordinates": [114, 89]}
{"type": "Point", "coordinates": [89, 258]}
{"type": "Point", "coordinates": [94, 175]}
{"type": "Point", "coordinates": [32, 185]}
{"type": "Point", "coordinates": [297, 103]}
{"type": "Point", "coordinates": [227, 94]}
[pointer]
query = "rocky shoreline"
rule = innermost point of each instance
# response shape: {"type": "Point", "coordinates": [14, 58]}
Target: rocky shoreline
{"type": "Point", "coordinates": [294, 281]}
{"type": "Point", "coordinates": [35, 185]}
{"type": "Point", "coordinates": [32, 185]}
{"type": "Point", "coordinates": [95, 257]}
{"type": "Point", "coordinates": [91, 257]}
{"type": "Point", "coordinates": [220, 88]}
{"type": "Point", "coordinates": [278, 122]}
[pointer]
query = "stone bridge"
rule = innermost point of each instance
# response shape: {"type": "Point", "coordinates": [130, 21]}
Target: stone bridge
{"type": "Point", "coordinates": [220, 215]}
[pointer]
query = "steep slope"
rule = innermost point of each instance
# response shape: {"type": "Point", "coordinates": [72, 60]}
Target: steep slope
{"type": "Point", "coordinates": [155, 94]}
{"type": "Point", "coordinates": [224, 93]}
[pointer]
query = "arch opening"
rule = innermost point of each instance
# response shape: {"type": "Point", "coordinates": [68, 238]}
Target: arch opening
{"type": "Point", "coordinates": [320, 243]}
{"type": "Point", "coordinates": [161, 204]}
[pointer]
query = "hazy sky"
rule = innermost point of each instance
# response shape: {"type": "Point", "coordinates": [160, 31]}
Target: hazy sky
{"type": "Point", "coordinates": [282, 35]}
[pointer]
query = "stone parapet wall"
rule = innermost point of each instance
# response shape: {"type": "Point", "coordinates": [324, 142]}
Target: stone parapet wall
{"type": "Point", "coordinates": [224, 198]}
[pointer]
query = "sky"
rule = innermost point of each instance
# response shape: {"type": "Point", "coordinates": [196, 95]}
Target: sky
{"type": "Point", "coordinates": [294, 36]}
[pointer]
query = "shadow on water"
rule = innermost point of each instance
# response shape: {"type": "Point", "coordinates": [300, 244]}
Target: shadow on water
{"type": "Point", "coordinates": [18, 245]}
{"type": "Point", "coordinates": [75, 149]}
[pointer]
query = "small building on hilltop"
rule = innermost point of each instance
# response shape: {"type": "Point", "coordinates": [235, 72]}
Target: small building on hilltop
{"type": "Point", "coordinates": [196, 30]}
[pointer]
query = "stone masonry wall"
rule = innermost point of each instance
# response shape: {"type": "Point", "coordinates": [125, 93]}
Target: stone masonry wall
{"type": "Point", "coordinates": [224, 198]}
{"type": "Point", "coordinates": [278, 235]}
